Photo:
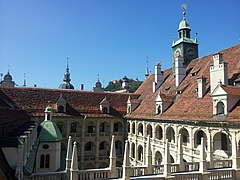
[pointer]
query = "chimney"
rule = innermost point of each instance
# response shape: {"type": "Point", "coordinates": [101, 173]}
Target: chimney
{"type": "Point", "coordinates": [180, 70]}
{"type": "Point", "coordinates": [158, 77]}
{"type": "Point", "coordinates": [218, 71]}
{"type": "Point", "coordinates": [82, 87]}
{"type": "Point", "coordinates": [201, 87]}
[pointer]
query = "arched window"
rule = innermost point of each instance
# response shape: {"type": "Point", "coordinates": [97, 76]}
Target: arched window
{"type": "Point", "coordinates": [42, 159]}
{"type": "Point", "coordinates": [47, 161]}
{"type": "Point", "coordinates": [140, 129]}
{"type": "Point", "coordinates": [105, 110]}
{"type": "Point", "coordinates": [133, 128]}
{"type": "Point", "coordinates": [74, 127]}
{"type": "Point", "coordinates": [159, 109]}
{"type": "Point", "coordinates": [60, 109]}
{"type": "Point", "coordinates": [128, 127]}
{"type": "Point", "coordinates": [117, 127]}
{"type": "Point", "coordinates": [140, 153]}
{"type": "Point", "coordinates": [220, 108]}
{"type": "Point", "coordinates": [133, 150]}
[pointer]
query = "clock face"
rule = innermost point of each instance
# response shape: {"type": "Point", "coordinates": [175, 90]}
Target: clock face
{"type": "Point", "coordinates": [190, 52]}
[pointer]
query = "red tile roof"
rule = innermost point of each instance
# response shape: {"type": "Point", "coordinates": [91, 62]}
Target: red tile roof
{"type": "Point", "coordinates": [187, 106]}
{"type": "Point", "coordinates": [34, 100]}
{"type": "Point", "coordinates": [231, 90]}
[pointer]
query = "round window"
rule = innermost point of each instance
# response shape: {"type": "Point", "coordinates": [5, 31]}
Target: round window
{"type": "Point", "coordinates": [45, 146]}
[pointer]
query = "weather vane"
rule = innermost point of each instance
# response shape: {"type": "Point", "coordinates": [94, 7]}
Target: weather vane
{"type": "Point", "coordinates": [184, 7]}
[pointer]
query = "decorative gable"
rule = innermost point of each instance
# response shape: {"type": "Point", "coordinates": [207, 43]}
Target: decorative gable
{"type": "Point", "coordinates": [105, 106]}
{"type": "Point", "coordinates": [163, 102]}
{"type": "Point", "coordinates": [132, 104]}
{"type": "Point", "coordinates": [61, 105]}
{"type": "Point", "coordinates": [224, 99]}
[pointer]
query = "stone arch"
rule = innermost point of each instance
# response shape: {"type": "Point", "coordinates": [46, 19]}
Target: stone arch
{"type": "Point", "coordinates": [89, 149]}
{"type": "Point", "coordinates": [149, 130]}
{"type": "Point", "coordinates": [140, 129]}
{"type": "Point", "coordinates": [185, 136]}
{"type": "Point", "coordinates": [158, 158]}
{"type": "Point", "coordinates": [129, 127]}
{"type": "Point", "coordinates": [222, 144]}
{"type": "Point", "coordinates": [75, 127]}
{"type": "Point", "coordinates": [159, 132]}
{"type": "Point", "coordinates": [170, 134]}
{"type": "Point", "coordinates": [104, 127]}
{"type": "Point", "coordinates": [133, 150]}
{"type": "Point", "coordinates": [104, 148]}
{"type": "Point", "coordinates": [133, 128]}
{"type": "Point", "coordinates": [118, 146]}
{"type": "Point", "coordinates": [140, 153]}
{"type": "Point", "coordinates": [90, 127]}
{"type": "Point", "coordinates": [118, 127]}
{"type": "Point", "coordinates": [198, 135]}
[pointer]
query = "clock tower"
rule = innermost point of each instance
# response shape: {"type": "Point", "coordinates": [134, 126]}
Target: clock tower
{"type": "Point", "coordinates": [184, 47]}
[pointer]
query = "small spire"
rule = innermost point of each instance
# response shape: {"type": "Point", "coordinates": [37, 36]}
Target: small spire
{"type": "Point", "coordinates": [147, 69]}
{"type": "Point", "coordinates": [24, 81]}
{"type": "Point", "coordinates": [173, 40]}
{"type": "Point", "coordinates": [98, 78]}
{"type": "Point", "coordinates": [8, 70]}
{"type": "Point", "coordinates": [196, 35]}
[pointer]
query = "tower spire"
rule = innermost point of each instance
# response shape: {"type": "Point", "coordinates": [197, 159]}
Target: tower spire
{"type": "Point", "coordinates": [66, 79]}
{"type": "Point", "coordinates": [24, 81]}
{"type": "Point", "coordinates": [147, 69]}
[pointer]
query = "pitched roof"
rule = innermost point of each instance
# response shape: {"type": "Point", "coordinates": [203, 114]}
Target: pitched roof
{"type": "Point", "coordinates": [34, 100]}
{"type": "Point", "coordinates": [187, 106]}
{"type": "Point", "coordinates": [231, 90]}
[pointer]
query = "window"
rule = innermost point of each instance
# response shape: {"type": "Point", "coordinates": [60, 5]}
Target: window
{"type": "Point", "coordinates": [133, 128]}
{"type": "Point", "coordinates": [48, 116]}
{"type": "Point", "coordinates": [159, 111]}
{"type": "Point", "coordinates": [220, 108]}
{"type": "Point", "coordinates": [88, 146]}
{"type": "Point", "coordinates": [105, 110]}
{"type": "Point", "coordinates": [42, 161]}
{"type": "Point", "coordinates": [117, 127]}
{"type": "Point", "coordinates": [133, 150]}
{"type": "Point", "coordinates": [74, 127]}
{"type": "Point", "coordinates": [45, 161]}
{"type": "Point", "coordinates": [60, 109]}
{"type": "Point", "coordinates": [102, 146]}
{"type": "Point", "coordinates": [90, 129]}
{"type": "Point", "coordinates": [199, 136]}
{"type": "Point", "coordinates": [102, 127]}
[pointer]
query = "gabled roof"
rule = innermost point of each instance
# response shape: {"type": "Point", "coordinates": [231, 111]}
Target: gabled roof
{"type": "Point", "coordinates": [34, 101]}
{"type": "Point", "coordinates": [231, 90]}
{"type": "Point", "coordinates": [187, 106]}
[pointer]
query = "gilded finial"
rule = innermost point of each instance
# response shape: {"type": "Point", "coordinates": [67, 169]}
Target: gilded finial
{"type": "Point", "coordinates": [184, 7]}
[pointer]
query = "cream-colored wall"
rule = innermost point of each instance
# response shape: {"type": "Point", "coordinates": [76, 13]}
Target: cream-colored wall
{"type": "Point", "coordinates": [54, 150]}
{"type": "Point", "coordinates": [191, 149]}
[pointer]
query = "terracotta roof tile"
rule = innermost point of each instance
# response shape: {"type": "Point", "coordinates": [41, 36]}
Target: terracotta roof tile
{"type": "Point", "coordinates": [187, 106]}
{"type": "Point", "coordinates": [34, 100]}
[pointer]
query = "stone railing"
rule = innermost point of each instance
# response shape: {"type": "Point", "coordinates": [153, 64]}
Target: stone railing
{"type": "Point", "coordinates": [137, 170]}
{"type": "Point", "coordinates": [94, 174]}
{"type": "Point", "coordinates": [219, 174]}
{"type": "Point", "coordinates": [61, 175]}
{"type": "Point", "coordinates": [222, 163]}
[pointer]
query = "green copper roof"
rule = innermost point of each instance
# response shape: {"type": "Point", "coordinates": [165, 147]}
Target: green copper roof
{"type": "Point", "coordinates": [49, 132]}
{"type": "Point", "coordinates": [184, 24]}
{"type": "Point", "coordinates": [184, 39]}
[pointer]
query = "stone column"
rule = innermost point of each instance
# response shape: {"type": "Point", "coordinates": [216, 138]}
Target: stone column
{"type": "Point", "coordinates": [74, 164]}
{"type": "Point", "coordinates": [180, 153]}
{"type": "Point", "coordinates": [203, 162]}
{"type": "Point", "coordinates": [210, 149]}
{"type": "Point", "coordinates": [153, 132]}
{"type": "Point", "coordinates": [113, 160]}
{"type": "Point", "coordinates": [191, 141]}
{"type": "Point", "coordinates": [125, 173]}
{"type": "Point", "coordinates": [144, 129]}
{"type": "Point", "coordinates": [69, 157]}
{"type": "Point", "coordinates": [167, 162]}
{"type": "Point", "coordinates": [149, 157]}
{"type": "Point", "coordinates": [235, 155]}
{"type": "Point", "coordinates": [164, 134]}
{"type": "Point", "coordinates": [176, 134]}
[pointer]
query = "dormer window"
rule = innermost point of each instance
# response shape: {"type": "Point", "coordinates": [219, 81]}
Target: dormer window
{"type": "Point", "coordinates": [61, 105]}
{"type": "Point", "coordinates": [220, 108]}
{"type": "Point", "coordinates": [105, 106]}
{"type": "Point", "coordinates": [159, 109]}
{"type": "Point", "coordinates": [105, 110]}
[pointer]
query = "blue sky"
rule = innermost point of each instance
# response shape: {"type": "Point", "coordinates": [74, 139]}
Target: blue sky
{"type": "Point", "coordinates": [111, 38]}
